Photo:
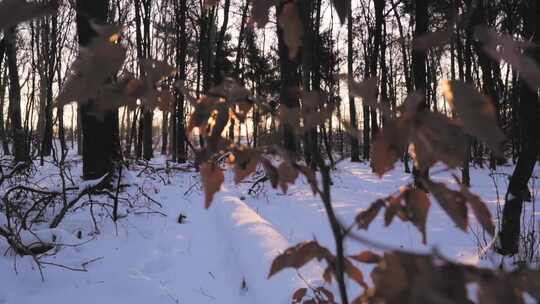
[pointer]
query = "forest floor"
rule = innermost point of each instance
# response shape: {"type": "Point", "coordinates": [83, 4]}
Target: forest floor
{"type": "Point", "coordinates": [223, 254]}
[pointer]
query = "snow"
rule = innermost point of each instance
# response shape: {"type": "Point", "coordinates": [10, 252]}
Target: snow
{"type": "Point", "coordinates": [223, 254]}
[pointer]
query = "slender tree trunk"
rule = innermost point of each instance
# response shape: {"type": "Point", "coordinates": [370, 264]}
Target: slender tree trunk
{"type": "Point", "coordinates": [164, 133]}
{"type": "Point", "coordinates": [353, 135]}
{"type": "Point", "coordinates": [3, 85]}
{"type": "Point", "coordinates": [181, 53]}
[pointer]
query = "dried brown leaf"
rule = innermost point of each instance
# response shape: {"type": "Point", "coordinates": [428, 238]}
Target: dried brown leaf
{"type": "Point", "coordinates": [476, 112]}
{"type": "Point", "coordinates": [480, 210]}
{"type": "Point", "coordinates": [97, 63]}
{"type": "Point", "coordinates": [289, 22]}
{"type": "Point", "coordinates": [203, 109]}
{"type": "Point", "coordinates": [368, 257]}
{"type": "Point", "coordinates": [438, 138]}
{"type": "Point", "coordinates": [390, 278]}
{"type": "Point", "coordinates": [418, 205]}
{"type": "Point", "coordinates": [298, 295]}
{"type": "Point", "coordinates": [390, 145]}
{"type": "Point", "coordinates": [391, 210]}
{"type": "Point", "coordinates": [366, 89]}
{"type": "Point", "coordinates": [354, 273]}
{"type": "Point", "coordinates": [328, 274]}
{"type": "Point", "coordinates": [364, 218]}
{"type": "Point", "coordinates": [501, 47]}
{"type": "Point", "coordinates": [212, 178]}
{"type": "Point", "coordinates": [245, 163]}
{"type": "Point", "coordinates": [452, 202]}
{"type": "Point", "coordinates": [287, 175]}
{"type": "Point", "coordinates": [296, 257]}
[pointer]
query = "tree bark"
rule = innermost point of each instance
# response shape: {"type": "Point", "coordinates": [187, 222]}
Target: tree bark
{"type": "Point", "coordinates": [100, 136]}
{"type": "Point", "coordinates": [289, 85]}
{"type": "Point", "coordinates": [3, 85]}
{"type": "Point", "coordinates": [353, 134]}
{"type": "Point", "coordinates": [19, 146]}
{"type": "Point", "coordinates": [518, 191]}
{"type": "Point", "coordinates": [419, 68]}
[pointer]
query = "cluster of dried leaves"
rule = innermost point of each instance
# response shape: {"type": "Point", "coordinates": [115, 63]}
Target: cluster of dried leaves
{"type": "Point", "coordinates": [401, 277]}
{"type": "Point", "coordinates": [94, 78]}
{"type": "Point", "coordinates": [301, 254]}
{"type": "Point", "coordinates": [231, 101]}
{"type": "Point", "coordinates": [433, 138]}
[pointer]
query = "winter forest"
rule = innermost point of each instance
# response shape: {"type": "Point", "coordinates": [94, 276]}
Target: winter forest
{"type": "Point", "coordinates": [269, 151]}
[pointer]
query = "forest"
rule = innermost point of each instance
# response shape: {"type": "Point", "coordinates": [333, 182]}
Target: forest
{"type": "Point", "coordinates": [269, 151]}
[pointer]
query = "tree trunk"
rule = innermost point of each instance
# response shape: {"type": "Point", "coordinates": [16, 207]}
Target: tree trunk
{"type": "Point", "coordinates": [19, 147]}
{"type": "Point", "coordinates": [100, 136]}
{"type": "Point", "coordinates": [218, 67]}
{"type": "Point", "coordinates": [518, 191]}
{"type": "Point", "coordinates": [3, 85]}
{"type": "Point", "coordinates": [419, 68]}
{"type": "Point", "coordinates": [353, 134]}
{"type": "Point", "coordinates": [289, 85]}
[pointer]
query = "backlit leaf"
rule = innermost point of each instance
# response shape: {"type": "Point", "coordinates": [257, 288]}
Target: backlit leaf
{"type": "Point", "coordinates": [390, 145]}
{"type": "Point", "coordinates": [500, 47]}
{"type": "Point", "coordinates": [212, 178]}
{"type": "Point", "coordinates": [452, 202]}
{"type": "Point", "coordinates": [418, 205]}
{"type": "Point", "coordinates": [287, 175]}
{"type": "Point", "coordinates": [480, 210]}
{"type": "Point", "coordinates": [296, 257]}
{"type": "Point", "coordinates": [476, 112]}
{"type": "Point", "coordinates": [438, 138]}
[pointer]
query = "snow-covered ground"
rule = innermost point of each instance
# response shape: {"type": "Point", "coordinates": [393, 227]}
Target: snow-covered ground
{"type": "Point", "coordinates": [223, 255]}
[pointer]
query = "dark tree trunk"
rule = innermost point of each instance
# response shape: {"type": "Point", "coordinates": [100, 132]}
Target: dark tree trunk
{"type": "Point", "coordinates": [49, 41]}
{"type": "Point", "coordinates": [377, 42]}
{"type": "Point", "coordinates": [3, 85]}
{"type": "Point", "coordinates": [305, 8]}
{"type": "Point", "coordinates": [181, 139]}
{"type": "Point", "coordinates": [164, 133]}
{"type": "Point", "coordinates": [353, 134]}
{"type": "Point", "coordinates": [489, 86]}
{"type": "Point", "coordinates": [518, 191]}
{"type": "Point", "coordinates": [220, 44]}
{"type": "Point", "coordinates": [289, 85]}
{"type": "Point", "coordinates": [19, 146]}
{"type": "Point", "coordinates": [419, 67]}
{"type": "Point", "coordinates": [100, 135]}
